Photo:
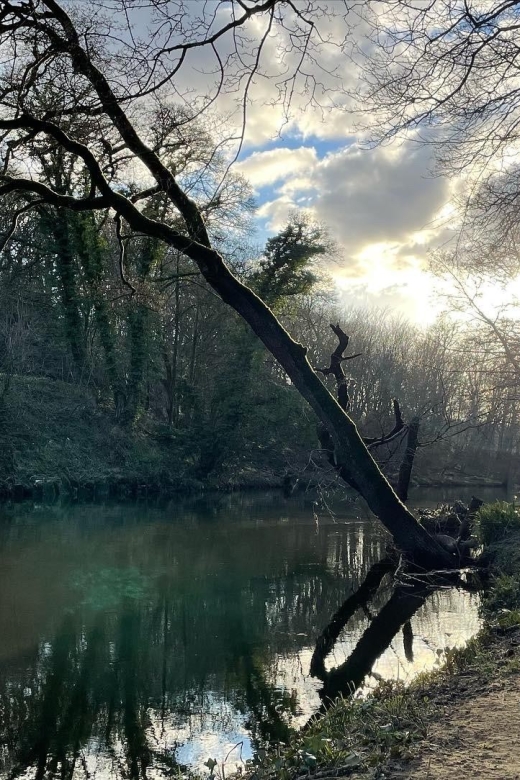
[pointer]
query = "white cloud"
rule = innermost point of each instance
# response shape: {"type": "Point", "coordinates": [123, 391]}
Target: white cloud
{"type": "Point", "coordinates": [382, 206]}
{"type": "Point", "coordinates": [318, 95]}
{"type": "Point", "coordinates": [276, 212]}
{"type": "Point", "coordinates": [379, 196]}
{"type": "Point", "coordinates": [269, 167]}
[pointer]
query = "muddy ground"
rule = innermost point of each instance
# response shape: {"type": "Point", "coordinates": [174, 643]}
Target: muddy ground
{"type": "Point", "coordinates": [474, 733]}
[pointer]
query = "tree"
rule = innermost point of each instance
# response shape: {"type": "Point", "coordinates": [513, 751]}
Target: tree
{"type": "Point", "coordinates": [447, 70]}
{"type": "Point", "coordinates": [43, 40]}
{"type": "Point", "coordinates": [286, 267]}
{"type": "Point", "coordinates": [482, 298]}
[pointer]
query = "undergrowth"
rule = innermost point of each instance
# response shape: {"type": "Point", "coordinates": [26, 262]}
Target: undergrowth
{"type": "Point", "coordinates": [501, 601]}
{"type": "Point", "coordinates": [496, 521]}
{"type": "Point", "coordinates": [352, 734]}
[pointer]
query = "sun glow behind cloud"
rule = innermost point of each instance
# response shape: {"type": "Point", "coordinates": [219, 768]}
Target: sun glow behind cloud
{"type": "Point", "coordinates": [382, 208]}
{"type": "Point", "coordinates": [382, 205]}
{"type": "Point", "coordinates": [382, 281]}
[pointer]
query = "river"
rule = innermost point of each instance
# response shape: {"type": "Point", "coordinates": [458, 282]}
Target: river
{"type": "Point", "coordinates": [139, 638]}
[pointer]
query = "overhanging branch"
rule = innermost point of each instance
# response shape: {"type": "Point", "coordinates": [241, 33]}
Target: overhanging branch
{"type": "Point", "coordinates": [13, 184]}
{"type": "Point", "coordinates": [14, 222]}
{"type": "Point", "coordinates": [30, 122]}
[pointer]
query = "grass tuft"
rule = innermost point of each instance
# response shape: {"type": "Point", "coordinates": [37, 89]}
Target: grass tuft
{"type": "Point", "coordinates": [496, 521]}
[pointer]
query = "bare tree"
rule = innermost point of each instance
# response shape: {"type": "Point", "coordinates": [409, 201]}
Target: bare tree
{"type": "Point", "coordinates": [448, 70]}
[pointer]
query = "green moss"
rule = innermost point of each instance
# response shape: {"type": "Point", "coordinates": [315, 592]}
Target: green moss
{"type": "Point", "coordinates": [54, 431]}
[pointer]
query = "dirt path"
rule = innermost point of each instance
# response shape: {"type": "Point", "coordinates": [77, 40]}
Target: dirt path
{"type": "Point", "coordinates": [475, 736]}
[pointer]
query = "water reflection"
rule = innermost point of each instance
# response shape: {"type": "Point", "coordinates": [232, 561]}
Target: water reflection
{"type": "Point", "coordinates": [134, 639]}
{"type": "Point", "coordinates": [405, 599]}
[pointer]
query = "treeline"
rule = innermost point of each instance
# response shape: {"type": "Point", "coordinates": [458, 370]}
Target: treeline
{"type": "Point", "coordinates": [173, 389]}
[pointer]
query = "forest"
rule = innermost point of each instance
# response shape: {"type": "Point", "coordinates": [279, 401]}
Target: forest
{"type": "Point", "coordinates": [120, 363]}
{"type": "Point", "coordinates": [141, 377]}
{"type": "Point", "coordinates": [174, 331]}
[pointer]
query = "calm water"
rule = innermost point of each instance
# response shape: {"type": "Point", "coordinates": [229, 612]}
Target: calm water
{"type": "Point", "coordinates": [134, 638]}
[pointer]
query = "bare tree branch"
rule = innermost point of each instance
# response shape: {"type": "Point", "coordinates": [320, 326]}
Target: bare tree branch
{"type": "Point", "coordinates": [14, 222]}
{"type": "Point", "coordinates": [122, 252]}
{"type": "Point", "coordinates": [336, 369]}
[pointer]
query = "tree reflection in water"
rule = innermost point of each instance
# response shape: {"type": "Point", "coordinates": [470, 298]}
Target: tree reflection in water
{"type": "Point", "coordinates": [408, 595]}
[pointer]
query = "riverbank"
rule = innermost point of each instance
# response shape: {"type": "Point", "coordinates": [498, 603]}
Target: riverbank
{"type": "Point", "coordinates": [474, 722]}
{"type": "Point", "coordinates": [465, 715]}
{"type": "Point", "coordinates": [55, 439]}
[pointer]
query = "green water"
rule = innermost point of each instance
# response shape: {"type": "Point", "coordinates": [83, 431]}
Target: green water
{"type": "Point", "coordinates": [135, 638]}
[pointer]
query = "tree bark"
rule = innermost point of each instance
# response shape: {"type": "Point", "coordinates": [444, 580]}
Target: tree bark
{"type": "Point", "coordinates": [405, 470]}
{"type": "Point", "coordinates": [58, 224]}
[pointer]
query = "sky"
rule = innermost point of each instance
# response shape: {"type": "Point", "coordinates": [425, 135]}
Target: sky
{"type": "Point", "coordinates": [383, 206]}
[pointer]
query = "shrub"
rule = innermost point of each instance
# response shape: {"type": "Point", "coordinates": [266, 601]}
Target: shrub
{"type": "Point", "coordinates": [497, 520]}
{"type": "Point", "coordinates": [504, 595]}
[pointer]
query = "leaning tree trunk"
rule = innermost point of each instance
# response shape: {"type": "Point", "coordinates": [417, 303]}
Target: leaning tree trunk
{"type": "Point", "coordinates": [350, 450]}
